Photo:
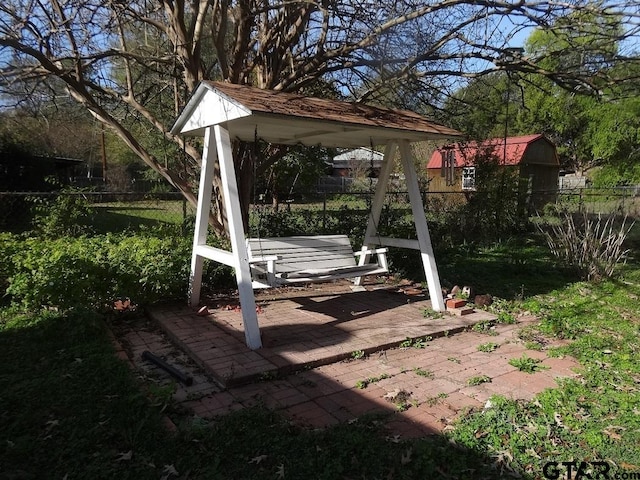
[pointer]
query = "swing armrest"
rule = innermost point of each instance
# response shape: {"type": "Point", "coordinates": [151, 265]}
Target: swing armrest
{"type": "Point", "coordinates": [270, 260]}
{"type": "Point", "coordinates": [264, 259]}
{"type": "Point", "coordinates": [371, 252]}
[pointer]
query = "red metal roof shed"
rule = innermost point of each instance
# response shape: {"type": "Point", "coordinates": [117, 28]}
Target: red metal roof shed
{"type": "Point", "coordinates": [465, 154]}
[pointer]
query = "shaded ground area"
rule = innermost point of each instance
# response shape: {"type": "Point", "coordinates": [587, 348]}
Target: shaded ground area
{"type": "Point", "coordinates": [332, 355]}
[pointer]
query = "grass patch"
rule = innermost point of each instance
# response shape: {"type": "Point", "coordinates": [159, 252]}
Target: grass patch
{"type": "Point", "coordinates": [594, 416]}
{"type": "Point", "coordinates": [68, 407]}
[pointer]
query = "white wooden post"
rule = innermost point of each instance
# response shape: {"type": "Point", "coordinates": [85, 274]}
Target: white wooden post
{"type": "Point", "coordinates": [420, 219]}
{"type": "Point", "coordinates": [202, 217]}
{"type": "Point", "coordinates": [237, 237]}
{"type": "Point", "coordinates": [377, 203]}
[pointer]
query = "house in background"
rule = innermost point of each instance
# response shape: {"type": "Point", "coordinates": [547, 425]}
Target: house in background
{"type": "Point", "coordinates": [532, 157]}
{"type": "Point", "coordinates": [27, 173]}
{"type": "Point", "coordinates": [361, 162]}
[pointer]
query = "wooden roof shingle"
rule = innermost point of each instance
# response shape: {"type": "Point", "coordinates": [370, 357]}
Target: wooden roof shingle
{"type": "Point", "coordinates": [289, 118]}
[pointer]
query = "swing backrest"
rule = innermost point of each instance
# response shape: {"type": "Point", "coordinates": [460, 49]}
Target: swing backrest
{"type": "Point", "coordinates": [303, 253]}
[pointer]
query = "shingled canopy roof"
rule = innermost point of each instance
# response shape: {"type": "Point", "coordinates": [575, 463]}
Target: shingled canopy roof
{"type": "Point", "coordinates": [286, 118]}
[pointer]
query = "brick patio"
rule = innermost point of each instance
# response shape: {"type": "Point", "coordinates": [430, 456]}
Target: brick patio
{"type": "Point", "coordinates": [305, 327]}
{"type": "Point", "coordinates": [307, 369]}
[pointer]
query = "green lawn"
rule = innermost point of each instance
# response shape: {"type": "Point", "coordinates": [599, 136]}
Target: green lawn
{"type": "Point", "coordinates": [120, 216]}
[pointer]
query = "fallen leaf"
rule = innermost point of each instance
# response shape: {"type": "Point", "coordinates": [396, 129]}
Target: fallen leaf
{"type": "Point", "coordinates": [120, 305]}
{"type": "Point", "coordinates": [610, 431]}
{"type": "Point", "coordinates": [258, 459]}
{"type": "Point", "coordinates": [392, 395]}
{"type": "Point", "coordinates": [168, 471]}
{"type": "Point", "coordinates": [125, 456]}
{"type": "Point", "coordinates": [558, 419]}
{"type": "Point", "coordinates": [406, 457]}
{"type": "Point", "coordinates": [51, 424]}
{"type": "Point", "coordinates": [532, 452]}
{"type": "Point", "coordinates": [612, 435]}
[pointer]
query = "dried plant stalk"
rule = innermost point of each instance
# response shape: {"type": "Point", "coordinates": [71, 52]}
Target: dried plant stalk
{"type": "Point", "coordinates": [592, 246]}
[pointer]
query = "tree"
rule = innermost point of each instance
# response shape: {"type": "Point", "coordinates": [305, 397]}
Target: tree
{"type": "Point", "coordinates": [589, 130]}
{"type": "Point", "coordinates": [132, 64]}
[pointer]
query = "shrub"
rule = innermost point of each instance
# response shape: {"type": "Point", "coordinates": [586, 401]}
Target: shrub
{"type": "Point", "coordinates": [591, 246]}
{"type": "Point", "coordinates": [70, 272]}
{"type": "Point", "coordinates": [65, 214]}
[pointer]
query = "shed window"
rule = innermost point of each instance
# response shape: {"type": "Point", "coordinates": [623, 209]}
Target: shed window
{"type": "Point", "coordinates": [468, 178]}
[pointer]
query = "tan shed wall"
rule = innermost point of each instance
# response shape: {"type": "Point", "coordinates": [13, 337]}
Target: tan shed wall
{"type": "Point", "coordinates": [438, 183]}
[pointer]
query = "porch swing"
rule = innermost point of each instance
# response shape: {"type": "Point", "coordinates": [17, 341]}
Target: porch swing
{"type": "Point", "coordinates": [300, 259]}
{"type": "Point", "coordinates": [221, 112]}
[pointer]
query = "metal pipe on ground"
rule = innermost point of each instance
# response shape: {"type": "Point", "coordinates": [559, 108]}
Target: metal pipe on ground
{"type": "Point", "coordinates": [183, 378]}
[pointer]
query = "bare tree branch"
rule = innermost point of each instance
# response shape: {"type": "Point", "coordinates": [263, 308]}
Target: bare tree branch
{"type": "Point", "coordinates": [139, 60]}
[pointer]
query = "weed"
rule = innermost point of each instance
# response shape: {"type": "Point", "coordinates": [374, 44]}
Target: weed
{"type": "Point", "coordinates": [400, 398]}
{"type": "Point", "coordinates": [268, 375]}
{"type": "Point", "coordinates": [485, 326]}
{"type": "Point", "coordinates": [534, 346]}
{"type": "Point", "coordinates": [527, 364]}
{"type": "Point", "coordinates": [428, 313]}
{"type": "Point", "coordinates": [487, 347]}
{"type": "Point", "coordinates": [506, 317]}
{"type": "Point", "coordinates": [423, 373]}
{"type": "Point", "coordinates": [362, 384]}
{"type": "Point", "coordinates": [453, 359]}
{"type": "Point", "coordinates": [357, 355]}
{"type": "Point", "coordinates": [504, 309]}
{"type": "Point", "coordinates": [431, 401]}
{"type": "Point", "coordinates": [416, 343]}
{"type": "Point", "coordinates": [478, 380]}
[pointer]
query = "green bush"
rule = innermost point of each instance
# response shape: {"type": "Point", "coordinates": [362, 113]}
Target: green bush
{"type": "Point", "coordinates": [94, 271]}
{"type": "Point", "coordinates": [66, 214]}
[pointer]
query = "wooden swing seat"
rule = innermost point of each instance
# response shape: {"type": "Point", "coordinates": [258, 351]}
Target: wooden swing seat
{"type": "Point", "coordinates": [308, 259]}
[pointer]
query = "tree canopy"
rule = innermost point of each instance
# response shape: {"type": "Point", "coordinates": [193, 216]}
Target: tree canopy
{"type": "Point", "coordinates": [133, 64]}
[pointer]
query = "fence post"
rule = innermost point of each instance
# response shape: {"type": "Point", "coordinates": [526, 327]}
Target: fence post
{"type": "Point", "coordinates": [324, 211]}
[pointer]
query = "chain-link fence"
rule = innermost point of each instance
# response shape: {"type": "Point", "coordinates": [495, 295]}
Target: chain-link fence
{"type": "Point", "coordinates": [119, 211]}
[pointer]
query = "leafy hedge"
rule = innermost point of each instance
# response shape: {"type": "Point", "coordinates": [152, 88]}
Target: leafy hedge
{"type": "Point", "coordinates": [94, 271]}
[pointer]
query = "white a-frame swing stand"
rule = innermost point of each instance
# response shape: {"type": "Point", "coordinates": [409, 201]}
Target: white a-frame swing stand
{"type": "Point", "coordinates": [222, 112]}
